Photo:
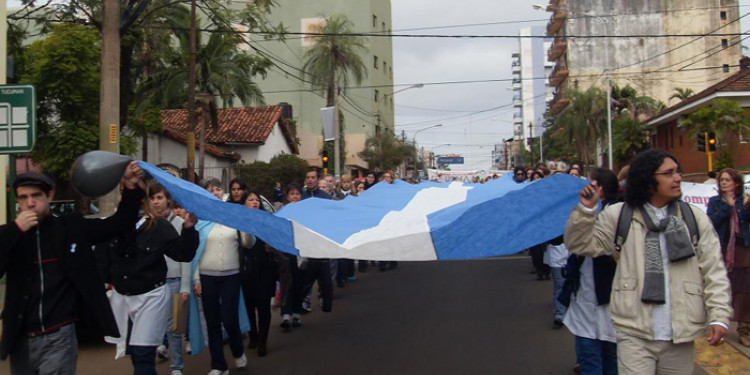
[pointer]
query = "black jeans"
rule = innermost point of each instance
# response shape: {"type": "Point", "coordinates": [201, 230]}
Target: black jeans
{"type": "Point", "coordinates": [320, 270]}
{"type": "Point", "coordinates": [294, 296]}
{"type": "Point", "coordinates": [143, 359]}
{"type": "Point", "coordinates": [221, 300]}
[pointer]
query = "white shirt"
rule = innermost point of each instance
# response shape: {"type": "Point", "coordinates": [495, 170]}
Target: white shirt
{"type": "Point", "coordinates": [556, 255]}
{"type": "Point", "coordinates": [221, 256]}
{"type": "Point", "coordinates": [662, 314]}
{"type": "Point", "coordinates": [584, 318]}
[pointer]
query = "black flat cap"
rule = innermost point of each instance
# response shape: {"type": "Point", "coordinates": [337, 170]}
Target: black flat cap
{"type": "Point", "coordinates": [34, 179]}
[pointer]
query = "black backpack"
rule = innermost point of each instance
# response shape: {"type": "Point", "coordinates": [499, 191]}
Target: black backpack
{"type": "Point", "coordinates": [626, 216]}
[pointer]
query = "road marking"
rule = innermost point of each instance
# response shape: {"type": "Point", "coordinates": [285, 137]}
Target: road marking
{"type": "Point", "coordinates": [724, 359]}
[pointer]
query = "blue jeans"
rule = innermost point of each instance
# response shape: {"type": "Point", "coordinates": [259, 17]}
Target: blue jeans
{"type": "Point", "coordinates": [55, 353]}
{"type": "Point", "coordinates": [558, 309]}
{"type": "Point", "coordinates": [596, 357]}
{"type": "Point", "coordinates": [221, 300]}
{"type": "Point", "coordinates": [176, 362]}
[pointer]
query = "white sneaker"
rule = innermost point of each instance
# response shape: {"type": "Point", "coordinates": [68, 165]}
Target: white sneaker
{"type": "Point", "coordinates": [188, 350]}
{"type": "Point", "coordinates": [162, 352]}
{"type": "Point", "coordinates": [241, 362]}
{"type": "Point", "coordinates": [218, 372]}
{"type": "Point", "coordinates": [176, 372]}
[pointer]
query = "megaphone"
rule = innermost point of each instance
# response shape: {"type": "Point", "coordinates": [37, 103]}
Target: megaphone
{"type": "Point", "coordinates": [96, 173]}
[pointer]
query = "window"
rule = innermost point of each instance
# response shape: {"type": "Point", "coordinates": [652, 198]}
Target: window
{"type": "Point", "coordinates": [374, 21]}
{"type": "Point", "coordinates": [723, 15]}
{"type": "Point", "coordinates": [375, 61]}
{"type": "Point", "coordinates": [724, 43]}
{"type": "Point", "coordinates": [725, 68]}
{"type": "Point", "coordinates": [385, 67]}
{"type": "Point", "coordinates": [383, 26]}
{"type": "Point", "coordinates": [391, 72]}
{"type": "Point", "coordinates": [377, 93]}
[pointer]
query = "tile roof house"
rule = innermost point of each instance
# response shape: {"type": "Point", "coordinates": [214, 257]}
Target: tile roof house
{"type": "Point", "coordinates": [244, 134]}
{"type": "Point", "coordinates": [665, 125]}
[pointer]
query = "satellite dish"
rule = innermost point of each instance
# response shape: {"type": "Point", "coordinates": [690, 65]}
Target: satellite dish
{"type": "Point", "coordinates": [96, 173]}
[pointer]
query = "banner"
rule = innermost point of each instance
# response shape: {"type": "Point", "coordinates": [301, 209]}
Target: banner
{"type": "Point", "coordinates": [329, 131]}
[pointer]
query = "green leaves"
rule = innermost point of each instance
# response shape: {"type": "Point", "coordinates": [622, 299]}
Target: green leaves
{"type": "Point", "coordinates": [384, 151]}
{"type": "Point", "coordinates": [263, 176]}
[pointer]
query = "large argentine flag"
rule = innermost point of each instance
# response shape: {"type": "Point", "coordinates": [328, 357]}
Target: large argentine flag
{"type": "Point", "coordinates": [428, 221]}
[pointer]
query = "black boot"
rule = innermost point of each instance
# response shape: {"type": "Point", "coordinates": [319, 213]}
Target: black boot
{"type": "Point", "coordinates": [262, 341]}
{"type": "Point", "coordinates": [253, 340]}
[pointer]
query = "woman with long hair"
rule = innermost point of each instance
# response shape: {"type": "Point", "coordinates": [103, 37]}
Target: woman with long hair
{"type": "Point", "coordinates": [259, 270]}
{"type": "Point", "coordinates": [141, 299]}
{"type": "Point", "coordinates": [730, 214]}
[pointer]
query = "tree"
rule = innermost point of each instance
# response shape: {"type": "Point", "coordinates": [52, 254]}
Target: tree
{"type": "Point", "coordinates": [281, 168]}
{"type": "Point", "coordinates": [64, 68]}
{"type": "Point", "coordinates": [385, 152]}
{"type": "Point", "coordinates": [726, 118]}
{"type": "Point", "coordinates": [629, 138]}
{"type": "Point", "coordinates": [681, 94]}
{"type": "Point", "coordinates": [582, 121]}
{"type": "Point", "coordinates": [331, 61]}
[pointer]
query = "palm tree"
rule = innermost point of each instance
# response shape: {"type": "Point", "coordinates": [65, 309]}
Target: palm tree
{"type": "Point", "coordinates": [332, 61]}
{"type": "Point", "coordinates": [582, 121]}
{"type": "Point", "coordinates": [682, 94]}
{"type": "Point", "coordinates": [224, 72]}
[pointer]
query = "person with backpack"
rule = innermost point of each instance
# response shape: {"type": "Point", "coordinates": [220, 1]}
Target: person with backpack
{"type": "Point", "coordinates": [670, 286]}
{"type": "Point", "coordinates": [730, 214]}
{"type": "Point", "coordinates": [586, 294]}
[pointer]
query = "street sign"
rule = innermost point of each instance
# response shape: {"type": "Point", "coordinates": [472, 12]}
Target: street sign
{"type": "Point", "coordinates": [443, 160]}
{"type": "Point", "coordinates": [17, 119]}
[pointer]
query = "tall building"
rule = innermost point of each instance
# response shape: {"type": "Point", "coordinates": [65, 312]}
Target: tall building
{"type": "Point", "coordinates": [589, 38]}
{"type": "Point", "coordinates": [367, 109]}
{"type": "Point", "coordinates": [531, 94]}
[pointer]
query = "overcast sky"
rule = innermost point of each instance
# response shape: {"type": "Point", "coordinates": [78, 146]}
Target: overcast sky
{"type": "Point", "coordinates": [438, 60]}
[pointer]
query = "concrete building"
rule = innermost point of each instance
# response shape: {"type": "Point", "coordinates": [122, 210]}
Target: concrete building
{"type": "Point", "coordinates": [531, 94]}
{"type": "Point", "coordinates": [367, 109]}
{"type": "Point", "coordinates": [586, 31]}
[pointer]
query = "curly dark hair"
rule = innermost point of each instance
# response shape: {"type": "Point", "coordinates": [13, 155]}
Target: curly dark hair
{"type": "Point", "coordinates": [641, 182]}
{"type": "Point", "coordinates": [246, 195]}
{"type": "Point", "coordinates": [521, 169]}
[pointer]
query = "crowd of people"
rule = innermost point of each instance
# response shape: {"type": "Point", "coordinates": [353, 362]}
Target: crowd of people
{"type": "Point", "coordinates": [637, 276]}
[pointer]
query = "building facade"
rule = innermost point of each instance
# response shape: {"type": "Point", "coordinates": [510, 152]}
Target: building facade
{"type": "Point", "coordinates": [638, 42]}
{"type": "Point", "coordinates": [367, 109]}
{"type": "Point", "coordinates": [531, 95]}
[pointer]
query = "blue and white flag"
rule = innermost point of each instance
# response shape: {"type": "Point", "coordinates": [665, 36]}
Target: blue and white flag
{"type": "Point", "coordinates": [400, 221]}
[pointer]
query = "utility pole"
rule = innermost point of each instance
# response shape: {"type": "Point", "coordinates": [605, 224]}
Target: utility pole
{"type": "Point", "coordinates": [109, 96]}
{"type": "Point", "coordinates": [191, 98]}
{"type": "Point", "coordinates": [337, 130]}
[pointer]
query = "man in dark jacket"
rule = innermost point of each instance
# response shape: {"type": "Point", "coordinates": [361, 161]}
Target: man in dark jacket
{"type": "Point", "coordinates": [311, 189]}
{"type": "Point", "coordinates": [52, 275]}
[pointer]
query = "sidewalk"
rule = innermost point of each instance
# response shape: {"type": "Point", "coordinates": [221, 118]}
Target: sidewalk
{"type": "Point", "coordinates": [729, 358]}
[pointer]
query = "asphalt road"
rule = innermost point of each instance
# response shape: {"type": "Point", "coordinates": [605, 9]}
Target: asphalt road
{"type": "Point", "coordinates": [470, 317]}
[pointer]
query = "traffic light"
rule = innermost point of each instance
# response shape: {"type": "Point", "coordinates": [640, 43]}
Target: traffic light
{"type": "Point", "coordinates": [711, 140]}
{"type": "Point", "coordinates": [325, 159]}
{"type": "Point", "coordinates": [702, 141]}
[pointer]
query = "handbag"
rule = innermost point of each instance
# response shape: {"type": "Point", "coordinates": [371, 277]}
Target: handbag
{"type": "Point", "coordinates": [179, 314]}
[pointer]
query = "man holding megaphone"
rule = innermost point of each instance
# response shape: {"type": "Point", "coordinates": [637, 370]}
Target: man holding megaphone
{"type": "Point", "coordinates": [52, 274]}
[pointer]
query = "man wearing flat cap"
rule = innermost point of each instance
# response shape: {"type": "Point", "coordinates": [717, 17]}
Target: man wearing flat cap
{"type": "Point", "coordinates": [52, 278]}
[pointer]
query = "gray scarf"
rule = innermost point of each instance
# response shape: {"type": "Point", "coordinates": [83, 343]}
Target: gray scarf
{"type": "Point", "coordinates": [679, 248]}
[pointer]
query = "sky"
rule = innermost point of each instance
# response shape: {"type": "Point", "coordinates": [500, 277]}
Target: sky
{"type": "Point", "coordinates": [422, 60]}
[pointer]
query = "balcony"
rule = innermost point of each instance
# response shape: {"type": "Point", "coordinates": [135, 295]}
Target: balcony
{"type": "Point", "coordinates": [558, 76]}
{"type": "Point", "coordinates": [558, 47]}
{"type": "Point", "coordinates": [556, 22]}
{"type": "Point", "coordinates": [558, 104]}
{"type": "Point", "coordinates": [517, 118]}
{"type": "Point", "coordinates": [516, 66]}
{"type": "Point", "coordinates": [517, 102]}
{"type": "Point", "coordinates": [516, 55]}
{"type": "Point", "coordinates": [516, 84]}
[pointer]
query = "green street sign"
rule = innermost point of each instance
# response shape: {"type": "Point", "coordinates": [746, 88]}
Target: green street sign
{"type": "Point", "coordinates": [17, 119]}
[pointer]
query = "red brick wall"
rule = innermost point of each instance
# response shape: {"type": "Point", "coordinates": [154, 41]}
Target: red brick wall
{"type": "Point", "coordinates": [668, 138]}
